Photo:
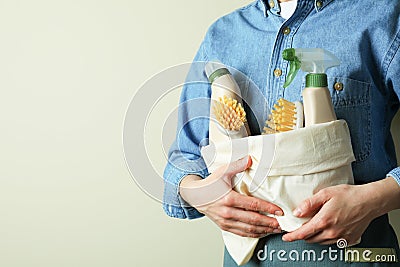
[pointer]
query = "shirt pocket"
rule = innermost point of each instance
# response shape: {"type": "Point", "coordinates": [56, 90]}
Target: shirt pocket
{"type": "Point", "coordinates": [352, 103]}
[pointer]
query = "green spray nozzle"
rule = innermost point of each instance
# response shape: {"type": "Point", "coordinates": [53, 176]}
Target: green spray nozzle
{"type": "Point", "coordinates": [312, 60]}
{"type": "Point", "coordinates": [295, 64]}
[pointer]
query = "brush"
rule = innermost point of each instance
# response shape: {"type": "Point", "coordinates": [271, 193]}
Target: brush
{"type": "Point", "coordinates": [229, 113]}
{"type": "Point", "coordinates": [285, 116]}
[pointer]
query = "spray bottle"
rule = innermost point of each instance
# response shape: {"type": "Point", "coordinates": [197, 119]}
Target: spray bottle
{"type": "Point", "coordinates": [317, 101]}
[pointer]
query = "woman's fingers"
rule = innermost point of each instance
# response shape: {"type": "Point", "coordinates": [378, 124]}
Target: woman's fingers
{"type": "Point", "coordinates": [249, 217]}
{"type": "Point", "coordinates": [321, 241]}
{"type": "Point", "coordinates": [244, 229]}
{"type": "Point", "coordinates": [238, 166]}
{"type": "Point", "coordinates": [230, 210]}
{"type": "Point", "coordinates": [227, 172]}
{"type": "Point", "coordinates": [255, 218]}
{"type": "Point", "coordinates": [244, 234]}
{"type": "Point", "coordinates": [237, 200]}
{"type": "Point", "coordinates": [310, 206]}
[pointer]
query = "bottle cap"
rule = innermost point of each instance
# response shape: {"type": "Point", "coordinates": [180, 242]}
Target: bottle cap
{"type": "Point", "coordinates": [215, 69]}
{"type": "Point", "coordinates": [316, 80]}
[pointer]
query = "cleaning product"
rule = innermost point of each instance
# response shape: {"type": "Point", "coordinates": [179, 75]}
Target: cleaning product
{"type": "Point", "coordinates": [229, 113]}
{"type": "Point", "coordinates": [288, 167]}
{"type": "Point", "coordinates": [226, 104]}
{"type": "Point", "coordinates": [317, 101]}
{"type": "Point", "coordinates": [285, 116]}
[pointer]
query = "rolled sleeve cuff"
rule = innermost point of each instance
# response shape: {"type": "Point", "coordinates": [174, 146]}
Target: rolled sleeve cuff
{"type": "Point", "coordinates": [173, 204]}
{"type": "Point", "coordinates": [395, 173]}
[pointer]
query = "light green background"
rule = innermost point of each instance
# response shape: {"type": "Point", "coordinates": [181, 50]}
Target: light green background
{"type": "Point", "coordinates": [68, 70]}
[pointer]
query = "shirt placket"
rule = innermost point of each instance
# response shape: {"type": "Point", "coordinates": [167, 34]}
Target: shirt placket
{"type": "Point", "coordinates": [278, 67]}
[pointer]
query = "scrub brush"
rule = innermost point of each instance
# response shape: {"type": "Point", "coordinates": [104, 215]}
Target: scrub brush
{"type": "Point", "coordinates": [286, 116]}
{"type": "Point", "coordinates": [229, 113]}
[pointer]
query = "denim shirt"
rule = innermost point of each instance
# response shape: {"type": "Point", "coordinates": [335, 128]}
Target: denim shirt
{"type": "Point", "coordinates": [365, 88]}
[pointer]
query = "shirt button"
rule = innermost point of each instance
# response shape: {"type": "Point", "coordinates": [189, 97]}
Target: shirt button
{"type": "Point", "coordinates": [272, 4]}
{"type": "Point", "coordinates": [319, 4]}
{"type": "Point", "coordinates": [338, 86]}
{"type": "Point", "coordinates": [277, 73]}
{"type": "Point", "coordinates": [286, 30]}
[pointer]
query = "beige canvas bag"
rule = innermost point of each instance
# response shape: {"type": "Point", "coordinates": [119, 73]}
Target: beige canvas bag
{"type": "Point", "coordinates": [287, 168]}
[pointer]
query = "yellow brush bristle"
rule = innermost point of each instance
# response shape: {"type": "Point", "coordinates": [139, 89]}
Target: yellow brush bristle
{"type": "Point", "coordinates": [282, 117]}
{"type": "Point", "coordinates": [268, 130]}
{"type": "Point", "coordinates": [229, 113]}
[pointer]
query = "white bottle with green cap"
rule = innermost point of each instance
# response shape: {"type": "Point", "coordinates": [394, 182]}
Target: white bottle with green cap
{"type": "Point", "coordinates": [317, 100]}
{"type": "Point", "coordinates": [223, 84]}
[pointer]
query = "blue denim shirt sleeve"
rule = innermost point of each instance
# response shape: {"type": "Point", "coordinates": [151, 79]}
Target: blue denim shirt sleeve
{"type": "Point", "coordinates": [184, 156]}
{"type": "Point", "coordinates": [393, 82]}
{"type": "Point", "coordinates": [395, 173]}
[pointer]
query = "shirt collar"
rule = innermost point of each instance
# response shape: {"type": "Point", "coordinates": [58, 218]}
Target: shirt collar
{"type": "Point", "coordinates": [273, 5]}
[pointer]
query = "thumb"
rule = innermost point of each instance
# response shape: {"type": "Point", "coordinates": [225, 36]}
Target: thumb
{"type": "Point", "coordinates": [239, 165]}
{"type": "Point", "coordinates": [310, 206]}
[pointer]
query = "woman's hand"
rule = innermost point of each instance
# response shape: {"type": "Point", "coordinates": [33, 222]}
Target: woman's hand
{"type": "Point", "coordinates": [231, 211]}
{"type": "Point", "coordinates": [344, 211]}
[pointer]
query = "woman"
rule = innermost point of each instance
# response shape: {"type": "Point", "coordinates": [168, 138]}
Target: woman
{"type": "Point", "coordinates": [365, 91]}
